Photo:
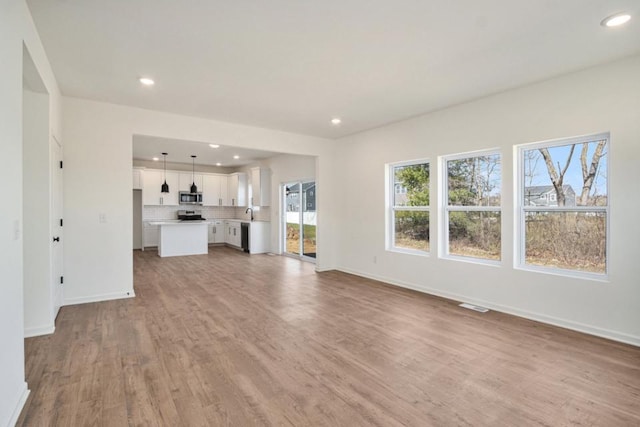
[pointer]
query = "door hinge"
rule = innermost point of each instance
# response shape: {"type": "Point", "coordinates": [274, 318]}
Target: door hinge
{"type": "Point", "coordinates": [61, 280]}
{"type": "Point", "coordinates": [61, 222]}
{"type": "Point", "coordinates": [60, 164]}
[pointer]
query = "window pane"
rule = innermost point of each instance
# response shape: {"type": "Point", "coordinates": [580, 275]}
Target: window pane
{"type": "Point", "coordinates": [411, 185]}
{"type": "Point", "coordinates": [568, 240]}
{"type": "Point", "coordinates": [579, 172]}
{"type": "Point", "coordinates": [475, 234]}
{"type": "Point", "coordinates": [292, 194]}
{"type": "Point", "coordinates": [474, 181]}
{"type": "Point", "coordinates": [411, 230]}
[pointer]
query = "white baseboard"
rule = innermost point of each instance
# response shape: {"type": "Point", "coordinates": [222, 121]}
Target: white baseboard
{"type": "Point", "coordinates": [24, 394]}
{"type": "Point", "coordinates": [39, 330]}
{"type": "Point", "coordinates": [555, 321]}
{"type": "Point", "coordinates": [99, 298]}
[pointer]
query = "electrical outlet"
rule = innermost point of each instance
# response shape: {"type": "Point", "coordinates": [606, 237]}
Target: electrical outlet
{"type": "Point", "coordinates": [375, 259]}
{"type": "Point", "coordinates": [16, 230]}
{"type": "Point", "coordinates": [102, 218]}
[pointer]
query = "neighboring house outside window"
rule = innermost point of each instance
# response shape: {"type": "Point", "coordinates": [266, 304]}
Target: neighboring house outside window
{"type": "Point", "coordinates": [472, 207]}
{"type": "Point", "coordinates": [408, 218]}
{"type": "Point", "coordinates": [564, 206]}
{"type": "Point", "coordinates": [545, 195]}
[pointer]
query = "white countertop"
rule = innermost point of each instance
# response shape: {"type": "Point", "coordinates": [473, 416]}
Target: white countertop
{"type": "Point", "coordinates": [237, 220]}
{"type": "Point", "coordinates": [171, 222]}
{"type": "Point", "coordinates": [206, 221]}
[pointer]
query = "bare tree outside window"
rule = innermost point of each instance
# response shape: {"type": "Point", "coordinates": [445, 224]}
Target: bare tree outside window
{"type": "Point", "coordinates": [473, 211]}
{"type": "Point", "coordinates": [565, 205]}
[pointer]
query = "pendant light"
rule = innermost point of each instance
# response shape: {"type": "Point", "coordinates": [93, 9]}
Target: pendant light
{"type": "Point", "coordinates": [165, 186]}
{"type": "Point", "coordinates": [194, 187]}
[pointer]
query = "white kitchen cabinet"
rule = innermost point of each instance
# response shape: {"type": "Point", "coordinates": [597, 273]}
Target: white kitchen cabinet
{"type": "Point", "coordinates": [237, 189]}
{"type": "Point", "coordinates": [186, 179]}
{"type": "Point", "coordinates": [233, 233]}
{"type": "Point", "coordinates": [151, 189]}
{"type": "Point", "coordinates": [138, 178]}
{"type": "Point", "coordinates": [214, 190]}
{"type": "Point", "coordinates": [150, 235]}
{"type": "Point", "coordinates": [216, 232]}
{"type": "Point", "coordinates": [259, 237]}
{"type": "Point", "coordinates": [260, 187]}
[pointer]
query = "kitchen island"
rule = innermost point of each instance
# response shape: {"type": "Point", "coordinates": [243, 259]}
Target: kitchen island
{"type": "Point", "coordinates": [178, 238]}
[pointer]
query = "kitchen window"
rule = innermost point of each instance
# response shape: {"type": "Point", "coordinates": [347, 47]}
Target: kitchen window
{"type": "Point", "coordinates": [564, 206]}
{"type": "Point", "coordinates": [408, 213]}
{"type": "Point", "coordinates": [472, 206]}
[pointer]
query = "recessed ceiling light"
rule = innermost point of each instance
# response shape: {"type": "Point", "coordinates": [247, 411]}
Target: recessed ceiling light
{"type": "Point", "coordinates": [214, 146]}
{"type": "Point", "coordinates": [236, 157]}
{"type": "Point", "coordinates": [155, 159]}
{"type": "Point", "coordinates": [147, 81]}
{"type": "Point", "coordinates": [218, 164]}
{"type": "Point", "coordinates": [336, 121]}
{"type": "Point", "coordinates": [616, 20]}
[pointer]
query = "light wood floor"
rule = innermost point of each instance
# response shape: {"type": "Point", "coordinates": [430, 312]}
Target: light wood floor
{"type": "Point", "coordinates": [232, 339]}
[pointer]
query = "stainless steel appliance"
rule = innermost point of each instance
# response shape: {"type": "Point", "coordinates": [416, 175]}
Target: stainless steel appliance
{"type": "Point", "coordinates": [187, 198]}
{"type": "Point", "coordinates": [244, 240]}
{"type": "Point", "coordinates": [190, 216]}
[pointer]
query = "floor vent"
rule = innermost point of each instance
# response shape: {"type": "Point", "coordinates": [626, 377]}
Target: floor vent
{"type": "Point", "coordinates": [474, 307]}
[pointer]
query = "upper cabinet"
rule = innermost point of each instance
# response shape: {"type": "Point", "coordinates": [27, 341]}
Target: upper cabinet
{"type": "Point", "coordinates": [188, 178]}
{"type": "Point", "coordinates": [214, 190]}
{"type": "Point", "coordinates": [138, 178]}
{"type": "Point", "coordinates": [260, 187]}
{"type": "Point", "coordinates": [237, 189]}
{"type": "Point", "coordinates": [151, 189]}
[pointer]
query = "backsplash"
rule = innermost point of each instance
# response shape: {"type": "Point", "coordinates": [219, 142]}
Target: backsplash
{"type": "Point", "coordinates": [208, 212]}
{"type": "Point", "coordinates": [262, 213]}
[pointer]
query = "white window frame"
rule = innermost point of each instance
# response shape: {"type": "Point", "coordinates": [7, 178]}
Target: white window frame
{"type": "Point", "coordinates": [519, 258]}
{"type": "Point", "coordinates": [391, 208]}
{"type": "Point", "coordinates": [444, 202]}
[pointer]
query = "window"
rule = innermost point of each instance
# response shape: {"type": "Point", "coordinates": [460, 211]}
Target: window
{"type": "Point", "coordinates": [408, 228]}
{"type": "Point", "coordinates": [472, 213]}
{"type": "Point", "coordinates": [570, 231]}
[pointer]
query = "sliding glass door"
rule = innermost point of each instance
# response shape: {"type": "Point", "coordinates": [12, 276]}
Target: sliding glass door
{"type": "Point", "coordinates": [300, 219]}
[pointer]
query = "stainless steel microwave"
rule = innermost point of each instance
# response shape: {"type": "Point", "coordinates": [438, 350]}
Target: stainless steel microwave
{"type": "Point", "coordinates": [187, 198]}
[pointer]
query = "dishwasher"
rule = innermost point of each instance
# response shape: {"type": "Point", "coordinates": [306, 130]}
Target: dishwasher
{"type": "Point", "coordinates": [244, 236]}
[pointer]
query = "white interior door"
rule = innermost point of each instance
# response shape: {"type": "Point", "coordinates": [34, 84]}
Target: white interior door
{"type": "Point", "coordinates": [57, 240]}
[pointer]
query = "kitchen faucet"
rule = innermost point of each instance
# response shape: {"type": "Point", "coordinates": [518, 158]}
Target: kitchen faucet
{"type": "Point", "coordinates": [247, 211]}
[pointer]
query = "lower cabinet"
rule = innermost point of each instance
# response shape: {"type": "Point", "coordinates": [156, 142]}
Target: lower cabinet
{"type": "Point", "coordinates": [216, 232]}
{"type": "Point", "coordinates": [150, 238]}
{"type": "Point", "coordinates": [233, 234]}
{"type": "Point", "coordinates": [259, 237]}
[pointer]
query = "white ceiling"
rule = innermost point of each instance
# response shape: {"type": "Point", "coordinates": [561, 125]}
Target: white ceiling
{"type": "Point", "coordinates": [180, 151]}
{"type": "Point", "coordinates": [293, 65]}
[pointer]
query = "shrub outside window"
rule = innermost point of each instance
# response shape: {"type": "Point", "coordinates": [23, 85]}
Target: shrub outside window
{"type": "Point", "coordinates": [409, 207]}
{"type": "Point", "coordinates": [472, 209]}
{"type": "Point", "coordinates": [564, 205]}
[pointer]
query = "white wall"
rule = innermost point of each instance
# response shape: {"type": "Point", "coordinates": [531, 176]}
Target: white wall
{"type": "Point", "coordinates": [286, 168]}
{"type": "Point", "coordinates": [16, 27]}
{"type": "Point", "coordinates": [150, 164]}
{"type": "Point", "coordinates": [98, 152]}
{"type": "Point", "coordinates": [12, 385]}
{"type": "Point", "coordinates": [606, 98]}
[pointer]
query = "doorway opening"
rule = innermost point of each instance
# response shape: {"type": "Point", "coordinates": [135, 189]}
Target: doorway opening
{"type": "Point", "coordinates": [300, 219]}
{"type": "Point", "coordinates": [42, 188]}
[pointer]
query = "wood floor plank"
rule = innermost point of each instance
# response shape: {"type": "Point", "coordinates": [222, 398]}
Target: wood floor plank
{"type": "Point", "coordinates": [229, 339]}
